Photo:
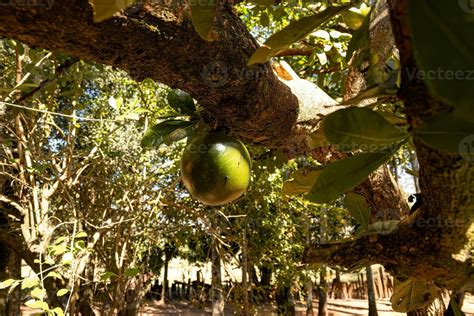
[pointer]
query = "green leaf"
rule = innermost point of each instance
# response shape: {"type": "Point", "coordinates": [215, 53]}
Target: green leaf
{"type": "Point", "coordinates": [372, 92]}
{"type": "Point", "coordinates": [360, 39]}
{"type": "Point", "coordinates": [62, 292]}
{"type": "Point", "coordinates": [58, 311]}
{"type": "Point", "coordinates": [6, 283]}
{"type": "Point", "coordinates": [264, 19]}
{"type": "Point", "coordinates": [292, 33]}
{"type": "Point", "coordinates": [104, 9]}
{"type": "Point", "coordinates": [29, 283]}
{"type": "Point", "coordinates": [353, 18]}
{"type": "Point", "coordinates": [107, 275]}
{"type": "Point", "coordinates": [60, 239]}
{"type": "Point", "coordinates": [37, 304]}
{"type": "Point", "coordinates": [178, 134]}
{"type": "Point", "coordinates": [53, 274]}
{"type": "Point", "coordinates": [317, 139]}
{"type": "Point", "coordinates": [181, 101]}
{"type": "Point", "coordinates": [413, 294]}
{"type": "Point", "coordinates": [444, 42]}
{"type": "Point", "coordinates": [38, 293]}
{"type": "Point", "coordinates": [356, 205]}
{"type": "Point", "coordinates": [302, 182]}
{"type": "Point", "coordinates": [59, 249]}
{"type": "Point", "coordinates": [132, 272]}
{"type": "Point", "coordinates": [162, 133]}
{"type": "Point", "coordinates": [203, 13]}
{"type": "Point", "coordinates": [81, 234]}
{"type": "Point", "coordinates": [342, 175]}
{"type": "Point", "coordinates": [449, 132]}
{"type": "Point", "coordinates": [361, 128]}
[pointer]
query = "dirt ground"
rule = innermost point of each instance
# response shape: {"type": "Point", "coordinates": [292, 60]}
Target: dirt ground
{"type": "Point", "coordinates": [335, 308]}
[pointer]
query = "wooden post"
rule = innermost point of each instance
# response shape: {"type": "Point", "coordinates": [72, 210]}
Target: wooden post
{"type": "Point", "coordinates": [382, 281]}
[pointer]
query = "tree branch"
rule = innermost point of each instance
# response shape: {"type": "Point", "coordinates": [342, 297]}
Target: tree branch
{"type": "Point", "coordinates": [407, 252]}
{"type": "Point", "coordinates": [157, 41]}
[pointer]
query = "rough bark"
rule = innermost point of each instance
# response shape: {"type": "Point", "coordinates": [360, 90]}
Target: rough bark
{"type": "Point", "coordinates": [158, 41]}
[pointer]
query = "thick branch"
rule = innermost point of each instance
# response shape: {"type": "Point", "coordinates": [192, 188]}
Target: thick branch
{"type": "Point", "coordinates": [20, 248]}
{"type": "Point", "coordinates": [159, 42]}
{"type": "Point", "coordinates": [408, 252]}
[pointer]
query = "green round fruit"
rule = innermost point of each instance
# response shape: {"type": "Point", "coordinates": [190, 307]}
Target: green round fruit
{"type": "Point", "coordinates": [216, 168]}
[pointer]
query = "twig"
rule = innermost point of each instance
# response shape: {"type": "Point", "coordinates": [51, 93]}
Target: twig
{"type": "Point", "coordinates": [59, 71]}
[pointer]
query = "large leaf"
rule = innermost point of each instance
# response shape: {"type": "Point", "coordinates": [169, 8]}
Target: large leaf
{"type": "Point", "coordinates": [181, 102]}
{"type": "Point", "coordinates": [356, 205]}
{"type": "Point", "coordinates": [293, 33]}
{"type": "Point", "coordinates": [342, 175]}
{"type": "Point", "coordinates": [360, 39]}
{"type": "Point", "coordinates": [413, 294]}
{"type": "Point", "coordinates": [444, 42]}
{"type": "Point", "coordinates": [447, 131]}
{"type": "Point", "coordinates": [361, 128]}
{"type": "Point", "coordinates": [104, 9]}
{"type": "Point", "coordinates": [166, 132]}
{"type": "Point", "coordinates": [302, 182]}
{"type": "Point", "coordinates": [203, 13]}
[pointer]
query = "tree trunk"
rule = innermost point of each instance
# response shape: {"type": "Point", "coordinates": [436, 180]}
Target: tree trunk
{"type": "Point", "coordinates": [285, 304]}
{"type": "Point", "coordinates": [371, 292]}
{"type": "Point", "coordinates": [217, 297]}
{"type": "Point", "coordinates": [337, 285]}
{"type": "Point", "coordinates": [245, 287]}
{"type": "Point", "coordinates": [164, 290]}
{"type": "Point", "coordinates": [323, 297]}
{"type": "Point", "coordinates": [309, 298]}
{"type": "Point", "coordinates": [13, 300]}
